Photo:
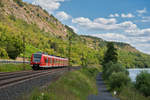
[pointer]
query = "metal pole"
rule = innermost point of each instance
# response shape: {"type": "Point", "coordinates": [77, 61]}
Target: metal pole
{"type": "Point", "coordinates": [23, 52]}
{"type": "Point", "coordinates": [69, 51]}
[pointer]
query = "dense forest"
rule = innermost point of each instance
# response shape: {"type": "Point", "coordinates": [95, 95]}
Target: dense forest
{"type": "Point", "coordinates": [43, 32]}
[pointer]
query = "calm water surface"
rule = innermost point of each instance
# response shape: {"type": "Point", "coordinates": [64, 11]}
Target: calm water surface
{"type": "Point", "coordinates": [134, 72]}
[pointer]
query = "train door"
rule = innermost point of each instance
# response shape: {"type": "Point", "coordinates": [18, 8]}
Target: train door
{"type": "Point", "coordinates": [51, 62]}
{"type": "Point", "coordinates": [48, 61]}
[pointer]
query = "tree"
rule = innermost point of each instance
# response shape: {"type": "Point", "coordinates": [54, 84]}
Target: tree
{"type": "Point", "coordinates": [111, 54]}
{"type": "Point", "coordinates": [14, 47]}
{"type": "Point", "coordinates": [143, 83]}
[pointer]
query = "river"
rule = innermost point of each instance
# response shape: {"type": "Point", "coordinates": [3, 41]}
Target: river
{"type": "Point", "coordinates": [134, 72]}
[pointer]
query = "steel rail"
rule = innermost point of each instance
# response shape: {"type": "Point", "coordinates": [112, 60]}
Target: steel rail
{"type": "Point", "coordinates": [17, 80]}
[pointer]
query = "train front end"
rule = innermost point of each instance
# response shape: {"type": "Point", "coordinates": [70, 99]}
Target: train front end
{"type": "Point", "coordinates": [36, 61]}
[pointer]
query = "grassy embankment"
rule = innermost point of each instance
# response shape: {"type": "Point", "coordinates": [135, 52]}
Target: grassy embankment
{"type": "Point", "coordinates": [13, 67]}
{"type": "Point", "coordinates": [130, 93]}
{"type": "Point", "coordinates": [74, 85]}
{"type": "Point", "coordinates": [140, 90]}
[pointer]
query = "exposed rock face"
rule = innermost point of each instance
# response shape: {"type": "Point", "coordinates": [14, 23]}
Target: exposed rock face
{"type": "Point", "coordinates": [33, 15]}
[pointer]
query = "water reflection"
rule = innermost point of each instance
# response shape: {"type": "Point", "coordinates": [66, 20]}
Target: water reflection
{"type": "Point", "coordinates": [134, 72]}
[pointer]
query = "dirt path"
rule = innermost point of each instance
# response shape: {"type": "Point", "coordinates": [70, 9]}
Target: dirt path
{"type": "Point", "coordinates": [103, 94]}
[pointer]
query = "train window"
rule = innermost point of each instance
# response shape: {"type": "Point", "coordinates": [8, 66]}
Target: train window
{"type": "Point", "coordinates": [54, 61]}
{"type": "Point", "coordinates": [51, 61]}
{"type": "Point", "coordinates": [36, 57]}
{"type": "Point", "coordinates": [46, 60]}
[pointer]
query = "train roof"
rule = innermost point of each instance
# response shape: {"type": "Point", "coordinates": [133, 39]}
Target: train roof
{"type": "Point", "coordinates": [51, 55]}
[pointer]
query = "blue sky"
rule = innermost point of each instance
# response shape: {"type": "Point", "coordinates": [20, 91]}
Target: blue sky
{"type": "Point", "coordinates": [113, 20]}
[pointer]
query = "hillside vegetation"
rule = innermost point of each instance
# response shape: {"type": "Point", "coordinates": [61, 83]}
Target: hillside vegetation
{"type": "Point", "coordinates": [43, 32]}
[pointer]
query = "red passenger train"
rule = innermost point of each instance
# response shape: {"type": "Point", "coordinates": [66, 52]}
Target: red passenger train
{"type": "Point", "coordinates": [40, 60]}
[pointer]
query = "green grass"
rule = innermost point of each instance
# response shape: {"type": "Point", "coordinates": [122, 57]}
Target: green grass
{"type": "Point", "coordinates": [74, 85]}
{"type": "Point", "coordinates": [129, 93]}
{"type": "Point", "coordinates": [13, 67]}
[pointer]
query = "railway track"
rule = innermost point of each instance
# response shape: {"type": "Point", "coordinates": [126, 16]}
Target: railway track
{"type": "Point", "coordinates": [13, 85]}
{"type": "Point", "coordinates": [13, 78]}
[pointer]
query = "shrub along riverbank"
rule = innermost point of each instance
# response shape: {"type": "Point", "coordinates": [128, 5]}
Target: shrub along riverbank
{"type": "Point", "coordinates": [117, 78]}
{"type": "Point", "coordinates": [74, 85]}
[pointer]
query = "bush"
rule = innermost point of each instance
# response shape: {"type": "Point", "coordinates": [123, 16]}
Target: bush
{"type": "Point", "coordinates": [114, 67]}
{"type": "Point", "coordinates": [143, 83]}
{"type": "Point", "coordinates": [1, 4]}
{"type": "Point", "coordinates": [90, 71]}
{"type": "Point", "coordinates": [130, 93]}
{"type": "Point", "coordinates": [3, 53]}
{"type": "Point", "coordinates": [12, 17]}
{"type": "Point", "coordinates": [19, 2]}
{"type": "Point", "coordinates": [118, 80]}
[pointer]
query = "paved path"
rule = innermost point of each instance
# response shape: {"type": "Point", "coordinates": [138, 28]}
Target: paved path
{"type": "Point", "coordinates": [103, 94]}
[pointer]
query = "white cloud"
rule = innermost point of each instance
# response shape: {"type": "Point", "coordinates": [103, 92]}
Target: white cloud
{"type": "Point", "coordinates": [63, 15]}
{"type": "Point", "coordinates": [129, 15]}
{"type": "Point", "coordinates": [145, 19]}
{"type": "Point", "coordinates": [103, 24]}
{"type": "Point", "coordinates": [74, 28]}
{"type": "Point", "coordinates": [138, 32]}
{"type": "Point", "coordinates": [128, 25]}
{"type": "Point", "coordinates": [49, 5]}
{"type": "Point", "coordinates": [111, 37]}
{"type": "Point", "coordinates": [99, 23]}
{"type": "Point", "coordinates": [105, 21]}
{"type": "Point", "coordinates": [114, 15]}
{"type": "Point", "coordinates": [142, 11]}
{"type": "Point", "coordinates": [81, 20]}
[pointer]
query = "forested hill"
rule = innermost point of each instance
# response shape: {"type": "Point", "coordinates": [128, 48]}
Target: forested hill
{"type": "Point", "coordinates": [43, 32]}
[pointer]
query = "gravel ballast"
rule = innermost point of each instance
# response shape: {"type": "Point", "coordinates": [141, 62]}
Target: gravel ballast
{"type": "Point", "coordinates": [15, 91]}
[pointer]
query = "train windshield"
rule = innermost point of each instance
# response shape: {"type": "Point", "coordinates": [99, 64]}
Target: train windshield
{"type": "Point", "coordinates": [36, 57]}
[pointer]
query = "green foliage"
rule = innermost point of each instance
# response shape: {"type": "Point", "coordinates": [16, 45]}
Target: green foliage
{"type": "Point", "coordinates": [116, 76]}
{"type": "Point", "coordinates": [12, 44]}
{"type": "Point", "coordinates": [143, 83]}
{"type": "Point", "coordinates": [1, 4]}
{"type": "Point", "coordinates": [118, 80]}
{"type": "Point", "coordinates": [13, 67]}
{"type": "Point", "coordinates": [38, 15]}
{"type": "Point", "coordinates": [129, 93]}
{"type": "Point", "coordinates": [75, 85]}
{"type": "Point", "coordinates": [133, 59]}
{"type": "Point", "coordinates": [3, 53]}
{"type": "Point", "coordinates": [113, 67]}
{"type": "Point", "coordinates": [29, 49]}
{"type": "Point", "coordinates": [111, 54]}
{"type": "Point", "coordinates": [19, 2]}
{"type": "Point", "coordinates": [14, 47]}
{"type": "Point", "coordinates": [12, 17]}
